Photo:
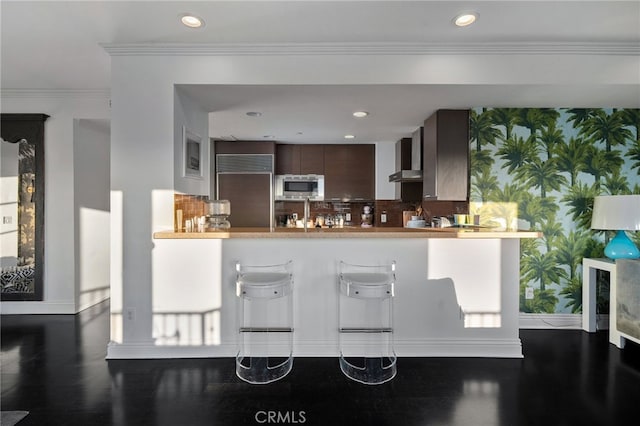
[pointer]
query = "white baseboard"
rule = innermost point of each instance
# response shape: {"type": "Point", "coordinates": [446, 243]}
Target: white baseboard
{"type": "Point", "coordinates": [483, 348]}
{"type": "Point", "coordinates": [89, 300]}
{"type": "Point", "coordinates": [151, 351]}
{"type": "Point", "coordinates": [28, 308]}
{"type": "Point", "coordinates": [493, 348]}
{"type": "Point", "coordinates": [498, 348]}
{"type": "Point", "coordinates": [559, 321]}
{"type": "Point", "coordinates": [48, 308]}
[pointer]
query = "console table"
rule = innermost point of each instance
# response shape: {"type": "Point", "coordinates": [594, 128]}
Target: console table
{"type": "Point", "coordinates": [589, 267]}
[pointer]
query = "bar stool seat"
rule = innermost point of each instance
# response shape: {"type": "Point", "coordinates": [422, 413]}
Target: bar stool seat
{"type": "Point", "coordinates": [366, 285]}
{"type": "Point", "coordinates": [265, 322]}
{"type": "Point", "coordinates": [366, 322]}
{"type": "Point", "coordinates": [264, 285]}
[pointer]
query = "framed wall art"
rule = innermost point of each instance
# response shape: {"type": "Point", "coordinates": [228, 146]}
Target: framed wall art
{"type": "Point", "coordinates": [22, 192]}
{"type": "Point", "coordinates": [192, 154]}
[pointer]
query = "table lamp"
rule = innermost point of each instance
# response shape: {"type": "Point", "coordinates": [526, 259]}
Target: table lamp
{"type": "Point", "coordinates": [618, 213]}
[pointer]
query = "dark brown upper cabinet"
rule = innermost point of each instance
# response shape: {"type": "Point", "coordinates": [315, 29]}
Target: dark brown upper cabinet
{"type": "Point", "coordinates": [287, 159]}
{"type": "Point", "coordinates": [349, 172]}
{"type": "Point", "coordinates": [299, 159]}
{"type": "Point", "coordinates": [311, 159]}
{"type": "Point", "coordinates": [348, 169]}
{"type": "Point", "coordinates": [245, 147]}
{"type": "Point", "coordinates": [446, 156]}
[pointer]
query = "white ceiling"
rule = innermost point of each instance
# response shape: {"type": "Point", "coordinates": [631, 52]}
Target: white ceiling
{"type": "Point", "coordinates": [56, 45]}
{"type": "Point", "coordinates": [323, 113]}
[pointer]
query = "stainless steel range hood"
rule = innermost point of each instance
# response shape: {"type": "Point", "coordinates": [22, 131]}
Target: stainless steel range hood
{"type": "Point", "coordinates": [409, 159]}
{"type": "Point", "coordinates": [406, 176]}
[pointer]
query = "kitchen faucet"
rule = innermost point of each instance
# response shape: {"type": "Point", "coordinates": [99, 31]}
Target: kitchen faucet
{"type": "Point", "coordinates": [306, 213]}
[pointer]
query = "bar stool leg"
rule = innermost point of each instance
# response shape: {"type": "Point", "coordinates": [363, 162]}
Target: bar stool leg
{"type": "Point", "coordinates": [365, 318]}
{"type": "Point", "coordinates": [265, 322]}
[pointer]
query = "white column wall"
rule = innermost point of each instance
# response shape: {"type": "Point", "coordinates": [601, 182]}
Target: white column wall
{"type": "Point", "coordinates": [143, 121]}
{"type": "Point", "coordinates": [385, 165]}
{"type": "Point", "coordinates": [91, 222]}
{"type": "Point", "coordinates": [142, 157]}
{"type": "Point", "coordinates": [59, 252]}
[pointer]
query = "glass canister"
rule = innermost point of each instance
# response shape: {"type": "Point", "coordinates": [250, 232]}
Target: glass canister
{"type": "Point", "coordinates": [218, 212]}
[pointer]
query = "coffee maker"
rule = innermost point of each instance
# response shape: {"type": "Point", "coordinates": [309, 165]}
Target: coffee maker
{"type": "Point", "coordinates": [367, 217]}
{"type": "Point", "coordinates": [217, 213]}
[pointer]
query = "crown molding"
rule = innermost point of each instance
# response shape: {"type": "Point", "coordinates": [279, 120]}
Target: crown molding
{"type": "Point", "coordinates": [55, 93]}
{"type": "Point", "coordinates": [293, 49]}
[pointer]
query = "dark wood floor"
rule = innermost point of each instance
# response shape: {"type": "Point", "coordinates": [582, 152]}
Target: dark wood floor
{"type": "Point", "coordinates": [54, 367]}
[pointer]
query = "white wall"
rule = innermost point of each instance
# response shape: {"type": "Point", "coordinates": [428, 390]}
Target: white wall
{"type": "Point", "coordinates": [142, 182]}
{"type": "Point", "coordinates": [190, 115]}
{"type": "Point", "coordinates": [59, 265]}
{"type": "Point", "coordinates": [385, 165]}
{"type": "Point", "coordinates": [91, 200]}
{"type": "Point", "coordinates": [144, 122]}
{"type": "Point", "coordinates": [146, 170]}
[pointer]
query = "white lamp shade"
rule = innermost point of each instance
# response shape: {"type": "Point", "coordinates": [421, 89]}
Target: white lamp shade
{"type": "Point", "coordinates": [616, 212]}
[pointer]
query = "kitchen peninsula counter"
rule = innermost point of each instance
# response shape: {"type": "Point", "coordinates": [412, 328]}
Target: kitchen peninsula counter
{"type": "Point", "coordinates": [456, 290]}
{"type": "Point", "coordinates": [351, 232]}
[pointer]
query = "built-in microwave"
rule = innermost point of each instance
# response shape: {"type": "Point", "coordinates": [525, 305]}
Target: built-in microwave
{"type": "Point", "coordinates": [299, 187]}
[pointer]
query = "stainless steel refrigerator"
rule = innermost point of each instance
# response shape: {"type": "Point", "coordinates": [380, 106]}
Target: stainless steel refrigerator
{"type": "Point", "coordinates": [246, 180]}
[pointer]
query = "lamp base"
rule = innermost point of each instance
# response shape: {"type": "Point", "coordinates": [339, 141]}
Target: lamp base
{"type": "Point", "coordinates": [621, 247]}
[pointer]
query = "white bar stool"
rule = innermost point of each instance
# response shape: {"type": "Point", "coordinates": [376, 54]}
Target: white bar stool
{"type": "Point", "coordinates": [365, 320]}
{"type": "Point", "coordinates": [265, 322]}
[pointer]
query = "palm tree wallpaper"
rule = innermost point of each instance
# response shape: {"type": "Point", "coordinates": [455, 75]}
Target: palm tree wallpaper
{"type": "Point", "coordinates": [548, 165]}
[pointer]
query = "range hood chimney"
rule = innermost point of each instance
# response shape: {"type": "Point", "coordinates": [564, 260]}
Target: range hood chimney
{"type": "Point", "coordinates": [409, 158]}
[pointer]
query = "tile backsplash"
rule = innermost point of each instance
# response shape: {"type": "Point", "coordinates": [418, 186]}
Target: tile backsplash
{"type": "Point", "coordinates": [190, 205]}
{"type": "Point", "coordinates": [430, 209]}
{"type": "Point", "coordinates": [444, 208]}
{"type": "Point", "coordinates": [324, 208]}
{"type": "Point", "coordinates": [195, 205]}
{"type": "Point", "coordinates": [391, 208]}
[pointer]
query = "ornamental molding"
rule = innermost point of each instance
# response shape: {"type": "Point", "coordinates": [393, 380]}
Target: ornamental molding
{"type": "Point", "coordinates": [55, 93]}
{"type": "Point", "coordinates": [313, 49]}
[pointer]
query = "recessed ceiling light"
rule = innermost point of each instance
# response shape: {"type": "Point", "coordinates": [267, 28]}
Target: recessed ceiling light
{"type": "Point", "coordinates": [192, 21]}
{"type": "Point", "coordinates": [360, 114]}
{"type": "Point", "coordinates": [254, 114]}
{"type": "Point", "coordinates": [466, 18]}
{"type": "Point", "coordinates": [349, 137]}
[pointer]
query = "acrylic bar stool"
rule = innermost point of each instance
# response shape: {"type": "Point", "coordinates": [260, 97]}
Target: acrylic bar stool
{"type": "Point", "coordinates": [265, 322]}
{"type": "Point", "coordinates": [365, 318]}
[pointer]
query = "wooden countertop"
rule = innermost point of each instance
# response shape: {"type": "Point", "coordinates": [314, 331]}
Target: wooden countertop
{"type": "Point", "coordinates": [350, 232]}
